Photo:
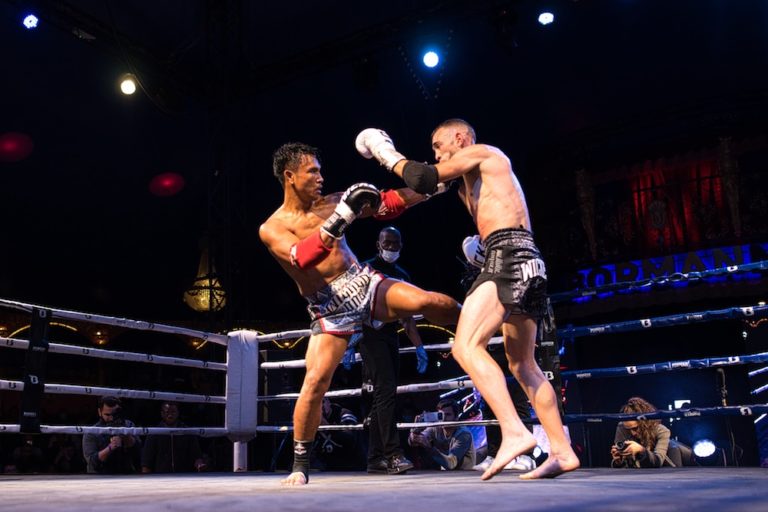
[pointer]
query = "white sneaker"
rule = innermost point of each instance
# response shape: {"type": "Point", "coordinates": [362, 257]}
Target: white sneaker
{"type": "Point", "coordinates": [522, 463]}
{"type": "Point", "coordinates": [483, 466]}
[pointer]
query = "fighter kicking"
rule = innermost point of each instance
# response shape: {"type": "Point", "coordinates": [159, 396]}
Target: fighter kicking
{"type": "Point", "coordinates": [306, 237]}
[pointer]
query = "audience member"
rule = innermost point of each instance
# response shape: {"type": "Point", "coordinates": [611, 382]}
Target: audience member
{"type": "Point", "coordinates": [105, 453]}
{"type": "Point", "coordinates": [172, 453]}
{"type": "Point", "coordinates": [449, 447]}
{"type": "Point", "coordinates": [645, 443]}
{"type": "Point", "coordinates": [337, 450]}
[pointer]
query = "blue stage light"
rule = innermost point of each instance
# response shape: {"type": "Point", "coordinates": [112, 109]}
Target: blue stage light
{"type": "Point", "coordinates": [30, 21]}
{"type": "Point", "coordinates": [546, 18]}
{"type": "Point", "coordinates": [431, 59]}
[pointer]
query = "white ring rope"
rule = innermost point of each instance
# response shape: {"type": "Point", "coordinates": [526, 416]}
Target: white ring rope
{"type": "Point", "coordinates": [60, 348]}
{"type": "Point", "coordinates": [435, 347]}
{"type": "Point", "coordinates": [407, 388]}
{"type": "Point", "coordinates": [66, 389]}
{"type": "Point", "coordinates": [140, 325]}
{"type": "Point", "coordinates": [250, 335]}
{"type": "Point", "coordinates": [284, 335]}
{"type": "Point", "coordinates": [133, 431]}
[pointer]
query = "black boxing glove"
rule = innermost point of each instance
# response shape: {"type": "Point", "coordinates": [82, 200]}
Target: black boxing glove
{"type": "Point", "coordinates": [352, 204]}
{"type": "Point", "coordinates": [421, 178]}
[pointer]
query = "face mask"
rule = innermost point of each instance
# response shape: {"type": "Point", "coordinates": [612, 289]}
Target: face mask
{"type": "Point", "coordinates": [389, 256]}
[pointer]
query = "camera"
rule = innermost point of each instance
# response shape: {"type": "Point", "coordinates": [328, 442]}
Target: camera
{"type": "Point", "coordinates": [621, 445]}
{"type": "Point", "coordinates": [431, 417]}
{"type": "Point", "coordinates": [428, 417]}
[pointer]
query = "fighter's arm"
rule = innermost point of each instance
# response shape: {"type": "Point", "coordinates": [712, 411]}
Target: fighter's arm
{"type": "Point", "coordinates": [287, 247]}
{"type": "Point", "coordinates": [420, 177]}
{"type": "Point", "coordinates": [476, 156]}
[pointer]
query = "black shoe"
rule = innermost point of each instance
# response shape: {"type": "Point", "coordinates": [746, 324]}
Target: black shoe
{"type": "Point", "coordinates": [399, 464]}
{"type": "Point", "coordinates": [380, 466]}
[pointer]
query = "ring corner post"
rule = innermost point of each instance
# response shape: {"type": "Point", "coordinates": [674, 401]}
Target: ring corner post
{"type": "Point", "coordinates": [242, 392]}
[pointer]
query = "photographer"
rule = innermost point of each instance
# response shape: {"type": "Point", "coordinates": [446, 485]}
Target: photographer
{"type": "Point", "coordinates": [450, 447]}
{"type": "Point", "coordinates": [645, 443]}
{"type": "Point", "coordinates": [111, 454]}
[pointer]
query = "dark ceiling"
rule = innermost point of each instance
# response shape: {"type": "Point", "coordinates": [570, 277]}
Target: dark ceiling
{"type": "Point", "coordinates": [226, 82]}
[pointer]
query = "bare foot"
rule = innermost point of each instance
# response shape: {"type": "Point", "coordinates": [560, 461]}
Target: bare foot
{"type": "Point", "coordinates": [509, 449]}
{"type": "Point", "coordinates": [554, 466]}
{"type": "Point", "coordinates": [296, 478]}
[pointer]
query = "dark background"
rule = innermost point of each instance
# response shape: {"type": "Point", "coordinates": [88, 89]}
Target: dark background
{"type": "Point", "coordinates": [608, 86]}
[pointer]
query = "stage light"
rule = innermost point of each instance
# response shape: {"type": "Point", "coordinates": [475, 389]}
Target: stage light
{"type": "Point", "coordinates": [128, 84]}
{"type": "Point", "coordinates": [703, 448]}
{"type": "Point", "coordinates": [431, 59]}
{"type": "Point", "coordinates": [546, 18]}
{"type": "Point", "coordinates": [15, 146]}
{"type": "Point", "coordinates": [30, 21]}
{"type": "Point", "coordinates": [166, 184]}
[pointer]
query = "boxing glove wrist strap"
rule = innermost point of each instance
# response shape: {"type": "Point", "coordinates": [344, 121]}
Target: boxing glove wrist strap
{"type": "Point", "coordinates": [309, 251]}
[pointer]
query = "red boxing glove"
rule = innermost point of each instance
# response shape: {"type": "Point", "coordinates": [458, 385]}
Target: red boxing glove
{"type": "Point", "coordinates": [309, 252]}
{"type": "Point", "coordinates": [392, 205]}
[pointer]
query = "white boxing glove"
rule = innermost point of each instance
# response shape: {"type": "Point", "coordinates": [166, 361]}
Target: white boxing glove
{"type": "Point", "coordinates": [375, 143]}
{"type": "Point", "coordinates": [474, 251]}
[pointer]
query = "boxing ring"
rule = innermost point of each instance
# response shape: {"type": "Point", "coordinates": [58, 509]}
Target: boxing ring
{"type": "Point", "coordinates": [728, 489]}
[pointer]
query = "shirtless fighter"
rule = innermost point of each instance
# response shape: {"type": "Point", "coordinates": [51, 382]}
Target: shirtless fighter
{"type": "Point", "coordinates": [306, 237]}
{"type": "Point", "coordinates": [510, 291]}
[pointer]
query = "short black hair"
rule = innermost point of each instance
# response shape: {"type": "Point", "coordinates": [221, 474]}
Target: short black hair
{"type": "Point", "coordinates": [109, 401]}
{"type": "Point", "coordinates": [447, 402]}
{"type": "Point", "coordinates": [288, 156]}
{"type": "Point", "coordinates": [391, 229]}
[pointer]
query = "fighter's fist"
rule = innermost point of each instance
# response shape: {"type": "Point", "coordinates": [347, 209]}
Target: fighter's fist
{"type": "Point", "coordinates": [360, 195]}
{"type": "Point", "coordinates": [375, 143]}
{"type": "Point", "coordinates": [474, 251]}
{"type": "Point", "coordinates": [352, 204]}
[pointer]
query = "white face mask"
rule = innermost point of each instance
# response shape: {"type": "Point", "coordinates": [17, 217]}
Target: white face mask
{"type": "Point", "coordinates": [389, 256]}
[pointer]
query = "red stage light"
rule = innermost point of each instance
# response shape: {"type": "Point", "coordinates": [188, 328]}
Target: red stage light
{"type": "Point", "coordinates": [166, 184]}
{"type": "Point", "coordinates": [15, 146]}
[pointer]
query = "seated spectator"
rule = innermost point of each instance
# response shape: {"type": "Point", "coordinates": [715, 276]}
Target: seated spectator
{"type": "Point", "coordinates": [449, 447]}
{"type": "Point", "coordinates": [645, 443]}
{"type": "Point", "coordinates": [337, 450]}
{"type": "Point", "coordinates": [28, 458]}
{"type": "Point", "coordinates": [106, 453]}
{"type": "Point", "coordinates": [64, 454]}
{"type": "Point", "coordinates": [171, 453]}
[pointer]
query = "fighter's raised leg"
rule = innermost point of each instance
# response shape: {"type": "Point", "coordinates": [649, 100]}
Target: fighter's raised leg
{"type": "Point", "coordinates": [398, 299]}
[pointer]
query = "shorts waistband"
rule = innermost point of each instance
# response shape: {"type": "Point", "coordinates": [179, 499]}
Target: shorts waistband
{"type": "Point", "coordinates": [342, 278]}
{"type": "Point", "coordinates": [519, 237]}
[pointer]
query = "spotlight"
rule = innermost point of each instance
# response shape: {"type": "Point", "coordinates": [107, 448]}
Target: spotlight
{"type": "Point", "coordinates": [703, 448]}
{"type": "Point", "coordinates": [431, 59]}
{"type": "Point", "coordinates": [30, 21]}
{"type": "Point", "coordinates": [166, 184]}
{"type": "Point", "coordinates": [15, 146]}
{"type": "Point", "coordinates": [546, 18]}
{"type": "Point", "coordinates": [128, 84]}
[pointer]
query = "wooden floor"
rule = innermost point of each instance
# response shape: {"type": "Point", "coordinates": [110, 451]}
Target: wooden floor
{"type": "Point", "coordinates": [737, 489]}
